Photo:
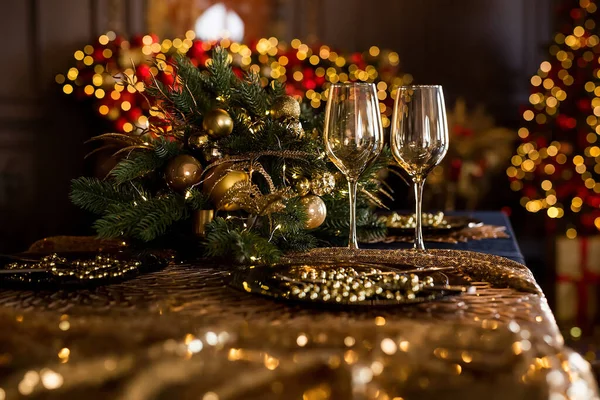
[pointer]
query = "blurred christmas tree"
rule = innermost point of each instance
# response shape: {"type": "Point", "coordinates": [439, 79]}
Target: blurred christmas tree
{"type": "Point", "coordinates": [557, 165]}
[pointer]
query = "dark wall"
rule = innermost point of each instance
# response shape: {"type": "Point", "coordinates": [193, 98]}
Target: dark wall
{"type": "Point", "coordinates": [484, 50]}
{"type": "Point", "coordinates": [41, 132]}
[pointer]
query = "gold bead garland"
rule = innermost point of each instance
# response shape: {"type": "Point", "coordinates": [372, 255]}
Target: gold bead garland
{"type": "Point", "coordinates": [55, 267]}
{"type": "Point", "coordinates": [346, 284]}
{"type": "Point", "coordinates": [409, 221]}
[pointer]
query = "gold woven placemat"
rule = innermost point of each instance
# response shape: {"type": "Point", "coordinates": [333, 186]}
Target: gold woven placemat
{"type": "Point", "coordinates": [459, 236]}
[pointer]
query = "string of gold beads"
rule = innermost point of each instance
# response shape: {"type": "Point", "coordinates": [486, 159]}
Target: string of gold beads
{"type": "Point", "coordinates": [346, 284]}
{"type": "Point", "coordinates": [99, 267]}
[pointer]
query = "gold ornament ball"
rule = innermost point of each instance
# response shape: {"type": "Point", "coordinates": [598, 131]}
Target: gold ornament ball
{"type": "Point", "coordinates": [315, 209]}
{"type": "Point", "coordinates": [219, 180]}
{"type": "Point", "coordinates": [217, 123]}
{"type": "Point", "coordinates": [284, 107]}
{"type": "Point", "coordinates": [302, 186]}
{"type": "Point", "coordinates": [183, 171]}
{"type": "Point", "coordinates": [197, 142]}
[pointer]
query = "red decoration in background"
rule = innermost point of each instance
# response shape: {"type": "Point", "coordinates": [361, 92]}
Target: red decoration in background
{"type": "Point", "coordinates": [455, 166]}
{"type": "Point", "coordinates": [506, 210]}
{"type": "Point", "coordinates": [306, 70]}
{"type": "Point", "coordinates": [576, 13]}
{"type": "Point", "coordinates": [584, 105]}
{"type": "Point", "coordinates": [587, 278]}
{"type": "Point", "coordinates": [143, 71]}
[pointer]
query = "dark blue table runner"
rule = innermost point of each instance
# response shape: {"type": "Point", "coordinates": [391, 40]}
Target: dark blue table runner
{"type": "Point", "coordinates": [501, 247]}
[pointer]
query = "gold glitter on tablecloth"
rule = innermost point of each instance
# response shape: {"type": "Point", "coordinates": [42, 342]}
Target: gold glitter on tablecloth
{"type": "Point", "coordinates": [183, 333]}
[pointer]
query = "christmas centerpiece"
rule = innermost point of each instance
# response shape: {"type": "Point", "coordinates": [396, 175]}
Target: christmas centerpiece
{"type": "Point", "coordinates": [237, 156]}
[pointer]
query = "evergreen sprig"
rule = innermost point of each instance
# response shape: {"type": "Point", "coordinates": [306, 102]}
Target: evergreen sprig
{"type": "Point", "coordinates": [251, 94]}
{"type": "Point", "coordinates": [196, 200]}
{"type": "Point", "coordinates": [144, 220]}
{"type": "Point", "coordinates": [242, 246]}
{"type": "Point", "coordinates": [97, 196]}
{"type": "Point", "coordinates": [142, 162]}
{"type": "Point", "coordinates": [221, 79]}
{"type": "Point", "coordinates": [135, 166]}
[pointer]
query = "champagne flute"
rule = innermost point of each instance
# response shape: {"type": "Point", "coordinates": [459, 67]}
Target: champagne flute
{"type": "Point", "coordinates": [353, 136]}
{"type": "Point", "coordinates": [419, 138]}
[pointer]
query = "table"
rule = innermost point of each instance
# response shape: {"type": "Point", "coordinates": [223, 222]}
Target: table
{"type": "Point", "coordinates": [508, 247]}
{"type": "Point", "coordinates": [182, 333]}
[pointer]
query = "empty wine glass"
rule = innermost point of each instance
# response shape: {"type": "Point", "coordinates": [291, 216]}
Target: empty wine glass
{"type": "Point", "coordinates": [419, 138]}
{"type": "Point", "coordinates": [353, 136]}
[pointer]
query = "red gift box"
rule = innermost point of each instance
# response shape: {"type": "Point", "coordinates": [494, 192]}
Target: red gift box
{"type": "Point", "coordinates": [578, 279]}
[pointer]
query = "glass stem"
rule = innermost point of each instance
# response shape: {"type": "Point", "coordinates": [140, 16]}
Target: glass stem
{"type": "Point", "coordinates": [418, 186]}
{"type": "Point", "coordinates": [352, 185]}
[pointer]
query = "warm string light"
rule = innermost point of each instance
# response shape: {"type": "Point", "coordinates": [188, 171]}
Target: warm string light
{"type": "Point", "coordinates": [557, 164]}
{"type": "Point", "coordinates": [114, 71]}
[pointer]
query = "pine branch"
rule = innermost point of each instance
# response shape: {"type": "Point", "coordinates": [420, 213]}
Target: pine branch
{"type": "Point", "coordinates": [310, 120]}
{"type": "Point", "coordinates": [142, 163]}
{"type": "Point", "coordinates": [220, 75]}
{"type": "Point", "coordinates": [301, 241]}
{"type": "Point", "coordinates": [251, 95]}
{"type": "Point", "coordinates": [97, 196]}
{"type": "Point", "coordinates": [337, 225]}
{"type": "Point", "coordinates": [276, 90]}
{"type": "Point", "coordinates": [372, 228]}
{"type": "Point", "coordinates": [148, 215]}
{"type": "Point", "coordinates": [145, 220]}
{"type": "Point", "coordinates": [166, 149]}
{"type": "Point", "coordinates": [190, 96]}
{"type": "Point", "coordinates": [137, 165]}
{"type": "Point", "coordinates": [223, 240]}
{"type": "Point", "coordinates": [158, 218]}
{"type": "Point", "coordinates": [196, 200]}
{"type": "Point", "coordinates": [384, 160]}
{"type": "Point", "coordinates": [291, 221]}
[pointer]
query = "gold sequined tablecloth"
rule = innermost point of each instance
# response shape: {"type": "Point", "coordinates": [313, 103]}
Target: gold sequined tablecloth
{"type": "Point", "coordinates": [182, 333]}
